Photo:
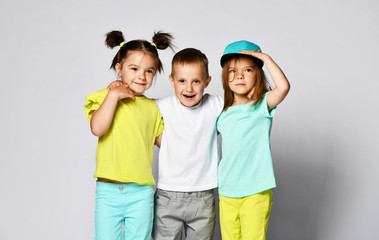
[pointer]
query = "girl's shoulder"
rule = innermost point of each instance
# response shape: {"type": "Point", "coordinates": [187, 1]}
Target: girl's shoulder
{"type": "Point", "coordinates": [145, 102]}
{"type": "Point", "coordinates": [97, 96]}
{"type": "Point", "coordinates": [93, 102]}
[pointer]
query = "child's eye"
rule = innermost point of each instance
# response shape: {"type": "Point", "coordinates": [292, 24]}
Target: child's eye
{"type": "Point", "coordinates": [133, 69]}
{"type": "Point", "coordinates": [181, 81]}
{"type": "Point", "coordinates": [196, 81]}
{"type": "Point", "coordinates": [248, 70]}
{"type": "Point", "coordinates": [232, 71]}
{"type": "Point", "coordinates": [150, 71]}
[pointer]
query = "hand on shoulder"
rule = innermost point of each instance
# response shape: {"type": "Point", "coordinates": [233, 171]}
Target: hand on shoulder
{"type": "Point", "coordinates": [122, 91]}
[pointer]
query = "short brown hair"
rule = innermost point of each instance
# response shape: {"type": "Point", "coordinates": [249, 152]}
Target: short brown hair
{"type": "Point", "coordinates": [190, 56]}
{"type": "Point", "coordinates": [261, 84]}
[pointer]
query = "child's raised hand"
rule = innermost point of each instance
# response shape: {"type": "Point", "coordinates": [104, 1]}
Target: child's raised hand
{"type": "Point", "coordinates": [282, 86]}
{"type": "Point", "coordinates": [258, 54]}
{"type": "Point", "coordinates": [114, 84]}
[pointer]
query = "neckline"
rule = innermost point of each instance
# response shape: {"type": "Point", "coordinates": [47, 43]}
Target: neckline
{"type": "Point", "coordinates": [189, 108]}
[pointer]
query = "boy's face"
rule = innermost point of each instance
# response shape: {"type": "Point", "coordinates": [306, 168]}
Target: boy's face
{"type": "Point", "coordinates": [189, 82]}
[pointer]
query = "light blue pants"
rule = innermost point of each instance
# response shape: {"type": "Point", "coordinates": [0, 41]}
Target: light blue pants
{"type": "Point", "coordinates": [128, 203]}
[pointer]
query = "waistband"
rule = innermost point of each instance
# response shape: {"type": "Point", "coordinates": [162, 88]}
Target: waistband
{"type": "Point", "coordinates": [196, 194]}
{"type": "Point", "coordinates": [121, 187]}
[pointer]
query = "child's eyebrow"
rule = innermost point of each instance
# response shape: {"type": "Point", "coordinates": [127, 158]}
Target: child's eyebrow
{"type": "Point", "coordinates": [134, 65]}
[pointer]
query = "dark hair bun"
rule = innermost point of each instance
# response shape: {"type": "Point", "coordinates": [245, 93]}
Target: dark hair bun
{"type": "Point", "coordinates": [162, 40]}
{"type": "Point", "coordinates": [114, 38]}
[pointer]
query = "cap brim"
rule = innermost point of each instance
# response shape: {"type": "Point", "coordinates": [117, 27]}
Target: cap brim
{"type": "Point", "coordinates": [227, 57]}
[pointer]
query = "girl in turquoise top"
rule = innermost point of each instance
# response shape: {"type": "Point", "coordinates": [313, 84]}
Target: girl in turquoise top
{"type": "Point", "coordinates": [127, 124]}
{"type": "Point", "coordinates": [246, 175]}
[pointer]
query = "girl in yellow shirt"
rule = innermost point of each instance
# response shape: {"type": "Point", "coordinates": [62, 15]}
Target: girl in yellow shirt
{"type": "Point", "coordinates": [128, 125]}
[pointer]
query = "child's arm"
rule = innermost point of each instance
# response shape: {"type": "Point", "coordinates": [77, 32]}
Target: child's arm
{"type": "Point", "coordinates": [102, 118]}
{"type": "Point", "coordinates": [158, 140]}
{"type": "Point", "coordinates": [282, 86]}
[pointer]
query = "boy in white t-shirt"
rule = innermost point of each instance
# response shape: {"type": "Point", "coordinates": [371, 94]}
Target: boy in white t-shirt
{"type": "Point", "coordinates": [188, 154]}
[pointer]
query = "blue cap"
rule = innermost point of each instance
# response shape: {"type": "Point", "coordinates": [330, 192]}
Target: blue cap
{"type": "Point", "coordinates": [232, 51]}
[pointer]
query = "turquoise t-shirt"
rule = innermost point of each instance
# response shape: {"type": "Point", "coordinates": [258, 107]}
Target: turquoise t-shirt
{"type": "Point", "coordinates": [246, 165]}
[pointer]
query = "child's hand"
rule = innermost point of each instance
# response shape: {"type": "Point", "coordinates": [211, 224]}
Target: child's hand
{"type": "Point", "coordinates": [122, 91]}
{"type": "Point", "coordinates": [114, 84]}
{"type": "Point", "coordinates": [251, 93]}
{"type": "Point", "coordinates": [257, 54]}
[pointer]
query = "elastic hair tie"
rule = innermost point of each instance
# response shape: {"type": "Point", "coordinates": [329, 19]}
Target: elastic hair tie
{"type": "Point", "coordinates": [122, 44]}
{"type": "Point", "coordinates": [153, 44]}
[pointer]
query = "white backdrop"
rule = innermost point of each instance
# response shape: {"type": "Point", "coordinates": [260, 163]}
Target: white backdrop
{"type": "Point", "coordinates": [324, 137]}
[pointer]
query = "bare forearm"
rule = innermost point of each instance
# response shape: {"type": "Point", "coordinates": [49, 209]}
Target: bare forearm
{"type": "Point", "coordinates": [279, 78]}
{"type": "Point", "coordinates": [102, 118]}
{"type": "Point", "coordinates": [282, 86]}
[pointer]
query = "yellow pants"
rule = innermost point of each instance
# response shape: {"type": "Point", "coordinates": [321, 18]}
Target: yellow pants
{"type": "Point", "coordinates": [246, 217]}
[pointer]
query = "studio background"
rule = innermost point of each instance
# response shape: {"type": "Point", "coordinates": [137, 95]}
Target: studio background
{"type": "Point", "coordinates": [324, 137]}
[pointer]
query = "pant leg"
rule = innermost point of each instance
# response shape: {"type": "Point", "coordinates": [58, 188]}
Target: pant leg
{"type": "Point", "coordinates": [254, 215]}
{"type": "Point", "coordinates": [108, 212]}
{"type": "Point", "coordinates": [201, 216]}
{"type": "Point", "coordinates": [229, 218]}
{"type": "Point", "coordinates": [139, 213]}
{"type": "Point", "coordinates": [168, 216]}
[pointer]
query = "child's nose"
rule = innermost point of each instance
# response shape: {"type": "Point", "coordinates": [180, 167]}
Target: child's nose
{"type": "Point", "coordinates": [189, 88]}
{"type": "Point", "coordinates": [239, 76]}
{"type": "Point", "coordinates": [141, 75]}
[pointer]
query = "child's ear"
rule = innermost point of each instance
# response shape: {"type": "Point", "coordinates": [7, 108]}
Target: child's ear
{"type": "Point", "coordinates": [208, 81]}
{"type": "Point", "coordinates": [171, 81]}
{"type": "Point", "coordinates": [118, 68]}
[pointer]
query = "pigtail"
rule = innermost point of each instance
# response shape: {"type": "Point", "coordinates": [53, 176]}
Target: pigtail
{"type": "Point", "coordinates": [114, 39]}
{"type": "Point", "coordinates": [162, 40]}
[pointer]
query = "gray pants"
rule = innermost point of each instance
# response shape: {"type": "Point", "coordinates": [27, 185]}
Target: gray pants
{"type": "Point", "coordinates": [192, 211]}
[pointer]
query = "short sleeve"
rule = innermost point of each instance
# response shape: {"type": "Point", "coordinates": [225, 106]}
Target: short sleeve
{"type": "Point", "coordinates": [267, 113]}
{"type": "Point", "coordinates": [159, 126]}
{"type": "Point", "coordinates": [94, 101]}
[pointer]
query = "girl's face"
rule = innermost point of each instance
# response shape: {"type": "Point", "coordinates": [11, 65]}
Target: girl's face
{"type": "Point", "coordinates": [242, 76]}
{"type": "Point", "coordinates": [137, 71]}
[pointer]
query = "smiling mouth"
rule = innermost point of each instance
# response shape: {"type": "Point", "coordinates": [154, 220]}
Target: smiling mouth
{"type": "Point", "coordinates": [141, 84]}
{"type": "Point", "coordinates": [189, 96]}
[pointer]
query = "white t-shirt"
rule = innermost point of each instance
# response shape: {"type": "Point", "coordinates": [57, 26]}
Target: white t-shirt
{"type": "Point", "coordinates": [188, 156]}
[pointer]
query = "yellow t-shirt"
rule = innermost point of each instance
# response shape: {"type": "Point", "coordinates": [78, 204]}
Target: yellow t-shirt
{"type": "Point", "coordinates": [125, 152]}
